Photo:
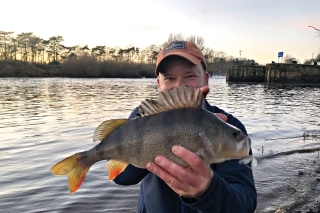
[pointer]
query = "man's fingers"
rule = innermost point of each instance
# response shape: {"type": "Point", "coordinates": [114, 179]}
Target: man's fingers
{"type": "Point", "coordinates": [194, 161]}
{"type": "Point", "coordinates": [191, 181]}
{"type": "Point", "coordinates": [164, 174]}
{"type": "Point", "coordinates": [204, 90]}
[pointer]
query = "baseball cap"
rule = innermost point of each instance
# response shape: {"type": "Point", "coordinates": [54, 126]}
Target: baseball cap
{"type": "Point", "coordinates": [185, 49]}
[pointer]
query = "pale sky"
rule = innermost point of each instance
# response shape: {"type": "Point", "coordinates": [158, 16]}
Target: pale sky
{"type": "Point", "coordinates": [259, 28]}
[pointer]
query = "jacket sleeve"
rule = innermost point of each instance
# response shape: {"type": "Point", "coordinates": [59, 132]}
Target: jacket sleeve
{"type": "Point", "coordinates": [232, 188]}
{"type": "Point", "coordinates": [131, 175]}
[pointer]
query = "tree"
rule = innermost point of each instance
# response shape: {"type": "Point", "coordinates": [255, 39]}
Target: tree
{"type": "Point", "coordinates": [85, 50]}
{"type": "Point", "coordinates": [54, 47]}
{"type": "Point", "coordinates": [316, 30]}
{"type": "Point", "coordinates": [5, 38]}
{"type": "Point", "coordinates": [34, 43]}
{"type": "Point", "coordinates": [23, 40]}
{"type": "Point", "coordinates": [43, 48]}
{"type": "Point", "coordinates": [208, 54]}
{"type": "Point", "coordinates": [172, 37]}
{"type": "Point", "coordinates": [128, 53]}
{"type": "Point", "coordinates": [150, 53]}
{"type": "Point", "coordinates": [198, 40]}
{"type": "Point", "coordinates": [98, 52]}
{"type": "Point", "coordinates": [112, 52]}
{"type": "Point", "coordinates": [13, 49]}
{"type": "Point", "coordinates": [289, 59]}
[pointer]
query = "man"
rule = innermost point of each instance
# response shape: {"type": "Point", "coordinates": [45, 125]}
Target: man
{"type": "Point", "coordinates": [167, 187]}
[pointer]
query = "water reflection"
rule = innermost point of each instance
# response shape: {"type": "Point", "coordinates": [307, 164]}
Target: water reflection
{"type": "Point", "coordinates": [46, 119]}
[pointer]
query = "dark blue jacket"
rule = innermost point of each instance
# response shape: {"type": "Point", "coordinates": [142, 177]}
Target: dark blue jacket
{"type": "Point", "coordinates": [232, 188]}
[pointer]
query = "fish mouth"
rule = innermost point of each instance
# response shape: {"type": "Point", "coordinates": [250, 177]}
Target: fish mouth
{"type": "Point", "coordinates": [244, 145]}
{"type": "Point", "coordinates": [248, 143]}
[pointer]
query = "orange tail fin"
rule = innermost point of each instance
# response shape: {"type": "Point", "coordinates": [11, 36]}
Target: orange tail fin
{"type": "Point", "coordinates": [72, 168]}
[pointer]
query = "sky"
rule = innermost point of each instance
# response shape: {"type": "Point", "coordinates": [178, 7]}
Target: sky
{"type": "Point", "coordinates": [259, 28]}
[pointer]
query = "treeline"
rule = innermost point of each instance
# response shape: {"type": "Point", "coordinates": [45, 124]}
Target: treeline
{"type": "Point", "coordinates": [99, 61]}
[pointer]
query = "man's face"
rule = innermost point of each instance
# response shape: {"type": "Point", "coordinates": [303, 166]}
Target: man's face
{"type": "Point", "coordinates": [181, 72]}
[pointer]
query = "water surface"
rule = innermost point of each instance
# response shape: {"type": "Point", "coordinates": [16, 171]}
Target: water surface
{"type": "Point", "coordinates": [43, 120]}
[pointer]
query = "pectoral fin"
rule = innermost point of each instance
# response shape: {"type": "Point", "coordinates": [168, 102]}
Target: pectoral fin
{"type": "Point", "coordinates": [114, 168]}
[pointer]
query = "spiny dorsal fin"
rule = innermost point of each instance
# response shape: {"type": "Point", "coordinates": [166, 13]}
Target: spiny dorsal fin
{"type": "Point", "coordinates": [106, 127]}
{"type": "Point", "coordinates": [177, 98]}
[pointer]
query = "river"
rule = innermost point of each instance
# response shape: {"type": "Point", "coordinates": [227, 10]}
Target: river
{"type": "Point", "coordinates": [43, 120]}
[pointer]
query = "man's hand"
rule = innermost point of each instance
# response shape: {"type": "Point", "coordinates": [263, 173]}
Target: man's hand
{"type": "Point", "coordinates": [188, 182]}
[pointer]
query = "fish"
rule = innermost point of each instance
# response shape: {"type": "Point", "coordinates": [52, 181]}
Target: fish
{"type": "Point", "coordinates": [176, 117]}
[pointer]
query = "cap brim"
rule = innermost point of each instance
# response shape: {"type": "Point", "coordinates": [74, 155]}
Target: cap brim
{"type": "Point", "coordinates": [187, 56]}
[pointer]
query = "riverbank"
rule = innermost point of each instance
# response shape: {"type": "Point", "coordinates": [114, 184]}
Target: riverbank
{"type": "Point", "coordinates": [24, 69]}
{"type": "Point", "coordinates": [88, 68]}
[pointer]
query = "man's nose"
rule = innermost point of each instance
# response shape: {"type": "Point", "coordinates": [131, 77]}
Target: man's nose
{"type": "Point", "coordinates": [179, 82]}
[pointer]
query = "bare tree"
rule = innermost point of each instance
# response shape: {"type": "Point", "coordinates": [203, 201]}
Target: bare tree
{"type": "Point", "coordinates": [173, 37]}
{"type": "Point", "coordinates": [198, 40]}
{"type": "Point", "coordinates": [208, 53]}
{"type": "Point", "coordinates": [289, 59]}
{"type": "Point", "coordinates": [315, 28]}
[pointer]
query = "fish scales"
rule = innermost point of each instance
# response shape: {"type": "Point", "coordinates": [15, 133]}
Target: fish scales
{"type": "Point", "coordinates": [151, 136]}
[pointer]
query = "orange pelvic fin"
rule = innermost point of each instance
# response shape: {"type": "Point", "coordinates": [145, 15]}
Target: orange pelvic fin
{"type": "Point", "coordinates": [73, 169]}
{"type": "Point", "coordinates": [114, 168]}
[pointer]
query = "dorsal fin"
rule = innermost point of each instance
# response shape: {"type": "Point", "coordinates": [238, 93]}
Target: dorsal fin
{"type": "Point", "coordinates": [177, 98]}
{"type": "Point", "coordinates": [106, 127]}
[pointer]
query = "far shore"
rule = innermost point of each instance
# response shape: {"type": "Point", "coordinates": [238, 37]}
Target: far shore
{"type": "Point", "coordinates": [81, 69]}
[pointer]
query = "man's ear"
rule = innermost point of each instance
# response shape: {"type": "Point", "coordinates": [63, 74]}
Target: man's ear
{"type": "Point", "coordinates": [158, 82]}
{"type": "Point", "coordinates": [207, 76]}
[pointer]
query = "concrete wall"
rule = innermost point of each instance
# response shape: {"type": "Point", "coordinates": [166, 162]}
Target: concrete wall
{"type": "Point", "coordinates": [246, 73]}
{"type": "Point", "coordinates": [275, 73]}
{"type": "Point", "coordinates": [293, 74]}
